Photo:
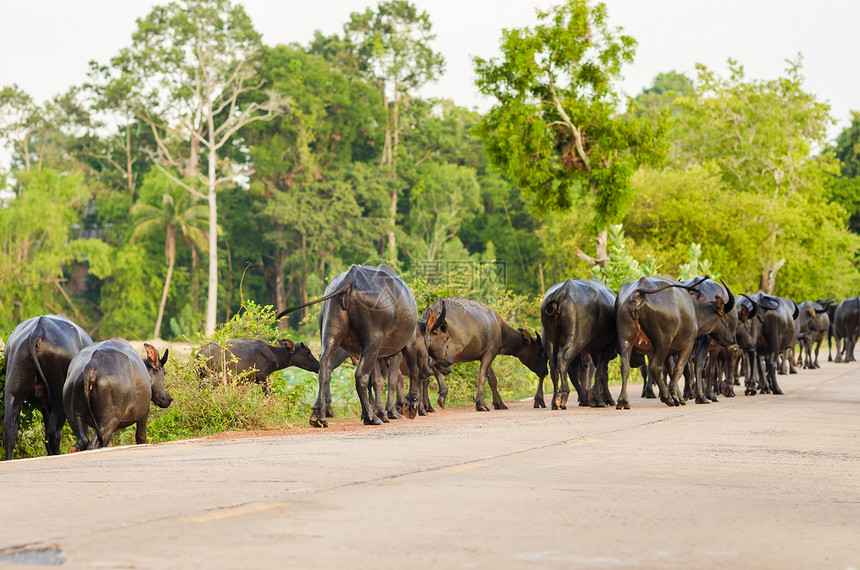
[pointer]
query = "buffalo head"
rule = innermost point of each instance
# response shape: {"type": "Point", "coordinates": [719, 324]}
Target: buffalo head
{"type": "Point", "coordinates": [436, 335]}
{"type": "Point", "coordinates": [155, 367]}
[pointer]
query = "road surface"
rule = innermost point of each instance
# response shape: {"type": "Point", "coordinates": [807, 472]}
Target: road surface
{"type": "Point", "coordinates": [764, 481]}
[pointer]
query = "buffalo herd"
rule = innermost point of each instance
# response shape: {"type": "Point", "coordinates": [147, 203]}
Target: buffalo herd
{"type": "Point", "coordinates": [664, 328]}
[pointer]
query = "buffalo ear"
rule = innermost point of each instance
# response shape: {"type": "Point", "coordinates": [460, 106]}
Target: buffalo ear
{"type": "Point", "coordinates": [151, 355]}
{"type": "Point", "coordinates": [720, 306]}
{"type": "Point", "coordinates": [526, 336]}
{"type": "Point", "coordinates": [288, 343]}
{"type": "Point", "coordinates": [431, 319]}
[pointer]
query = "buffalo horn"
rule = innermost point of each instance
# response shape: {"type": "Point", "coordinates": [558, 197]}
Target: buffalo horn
{"type": "Point", "coordinates": [730, 304]}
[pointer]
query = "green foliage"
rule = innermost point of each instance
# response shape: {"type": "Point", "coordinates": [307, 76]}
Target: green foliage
{"type": "Point", "coordinates": [445, 197]}
{"type": "Point", "coordinates": [554, 130]}
{"type": "Point", "coordinates": [35, 230]}
{"type": "Point", "coordinates": [252, 321]}
{"type": "Point", "coordinates": [697, 266]}
{"type": "Point", "coordinates": [622, 266]}
{"type": "Point", "coordinates": [130, 295]}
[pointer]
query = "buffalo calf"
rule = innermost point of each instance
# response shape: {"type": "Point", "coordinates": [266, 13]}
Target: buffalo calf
{"type": "Point", "coordinates": [108, 387]}
{"type": "Point", "coordinates": [254, 359]}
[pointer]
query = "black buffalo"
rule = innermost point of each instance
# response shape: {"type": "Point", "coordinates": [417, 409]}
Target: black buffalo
{"type": "Point", "coordinates": [846, 327]}
{"type": "Point", "coordinates": [716, 323]}
{"type": "Point", "coordinates": [478, 333]}
{"type": "Point", "coordinates": [773, 330]}
{"type": "Point", "coordinates": [814, 323]}
{"type": "Point", "coordinates": [656, 316]}
{"type": "Point", "coordinates": [254, 359]}
{"type": "Point", "coordinates": [38, 354]}
{"type": "Point", "coordinates": [369, 312]}
{"type": "Point", "coordinates": [109, 386]}
{"type": "Point", "coordinates": [578, 326]}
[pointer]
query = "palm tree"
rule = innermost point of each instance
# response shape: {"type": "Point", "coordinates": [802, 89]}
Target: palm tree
{"type": "Point", "coordinates": [178, 215]}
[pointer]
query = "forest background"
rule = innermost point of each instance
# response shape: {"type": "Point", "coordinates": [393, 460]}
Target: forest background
{"type": "Point", "coordinates": [200, 168]}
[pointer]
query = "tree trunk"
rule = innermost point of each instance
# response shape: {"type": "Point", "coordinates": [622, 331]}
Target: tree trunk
{"type": "Point", "coordinates": [392, 242]}
{"type": "Point", "coordinates": [303, 282]}
{"type": "Point", "coordinates": [25, 145]}
{"type": "Point", "coordinates": [280, 285]}
{"type": "Point", "coordinates": [195, 281]}
{"type": "Point", "coordinates": [129, 162]}
{"type": "Point", "coordinates": [171, 258]}
{"type": "Point", "coordinates": [212, 299]}
{"type": "Point", "coordinates": [767, 281]}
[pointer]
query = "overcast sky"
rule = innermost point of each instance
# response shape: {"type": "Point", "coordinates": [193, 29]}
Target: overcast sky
{"type": "Point", "coordinates": [45, 44]}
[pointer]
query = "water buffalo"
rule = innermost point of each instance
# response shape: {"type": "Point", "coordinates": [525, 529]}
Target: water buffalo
{"type": "Point", "coordinates": [578, 324]}
{"type": "Point", "coordinates": [369, 312]}
{"type": "Point", "coordinates": [655, 316]}
{"type": "Point", "coordinates": [254, 359]}
{"type": "Point", "coordinates": [774, 332]}
{"type": "Point", "coordinates": [108, 387]}
{"type": "Point", "coordinates": [478, 332]}
{"type": "Point", "coordinates": [717, 321]}
{"type": "Point", "coordinates": [38, 354]}
{"type": "Point", "coordinates": [846, 327]}
{"type": "Point", "coordinates": [814, 324]}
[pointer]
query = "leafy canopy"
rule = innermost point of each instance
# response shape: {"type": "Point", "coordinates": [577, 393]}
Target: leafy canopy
{"type": "Point", "coordinates": [554, 129]}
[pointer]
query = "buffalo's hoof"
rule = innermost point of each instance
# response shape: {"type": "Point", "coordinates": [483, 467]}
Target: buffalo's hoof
{"type": "Point", "coordinates": [394, 415]}
{"type": "Point", "coordinates": [373, 421]}
{"type": "Point", "coordinates": [713, 398]}
{"type": "Point", "coordinates": [608, 402]}
{"type": "Point", "coordinates": [778, 392]}
{"type": "Point", "coordinates": [622, 405]}
{"type": "Point", "coordinates": [553, 406]}
{"type": "Point", "coordinates": [441, 402]}
{"type": "Point", "coordinates": [749, 392]}
{"type": "Point", "coordinates": [560, 400]}
{"type": "Point", "coordinates": [681, 402]}
{"type": "Point", "coordinates": [421, 411]}
{"type": "Point", "coordinates": [539, 403]}
{"type": "Point", "coordinates": [702, 400]}
{"type": "Point", "coordinates": [318, 422]}
{"type": "Point", "coordinates": [329, 413]}
{"type": "Point", "coordinates": [410, 411]}
{"type": "Point", "coordinates": [649, 394]}
{"type": "Point", "coordinates": [599, 405]}
{"type": "Point", "coordinates": [481, 407]}
{"type": "Point", "coordinates": [429, 409]}
{"type": "Point", "coordinates": [499, 406]}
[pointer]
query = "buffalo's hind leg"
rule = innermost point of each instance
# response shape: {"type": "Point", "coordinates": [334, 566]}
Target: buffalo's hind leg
{"type": "Point", "coordinates": [363, 372]}
{"type": "Point", "coordinates": [498, 404]}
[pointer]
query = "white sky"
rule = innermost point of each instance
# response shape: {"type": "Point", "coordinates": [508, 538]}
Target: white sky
{"type": "Point", "coordinates": [45, 44]}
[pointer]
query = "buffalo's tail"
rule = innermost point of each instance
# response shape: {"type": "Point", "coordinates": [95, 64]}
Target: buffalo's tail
{"type": "Point", "coordinates": [342, 290]}
{"type": "Point", "coordinates": [671, 285]}
{"type": "Point", "coordinates": [90, 375]}
{"type": "Point", "coordinates": [35, 347]}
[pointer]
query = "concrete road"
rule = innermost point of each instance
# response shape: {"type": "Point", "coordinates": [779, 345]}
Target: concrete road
{"type": "Point", "coordinates": [763, 482]}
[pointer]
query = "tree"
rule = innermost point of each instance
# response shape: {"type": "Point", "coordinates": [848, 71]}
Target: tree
{"type": "Point", "coordinates": [845, 188]}
{"type": "Point", "coordinates": [307, 161]}
{"type": "Point", "coordinates": [761, 135]}
{"type": "Point", "coordinates": [177, 216]}
{"type": "Point", "coordinates": [190, 65]}
{"type": "Point", "coordinates": [660, 97]}
{"type": "Point", "coordinates": [554, 130]}
{"type": "Point", "coordinates": [392, 51]}
{"type": "Point", "coordinates": [447, 196]}
{"type": "Point", "coordinates": [36, 241]}
{"type": "Point", "coordinates": [677, 207]}
{"type": "Point", "coordinates": [19, 118]}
